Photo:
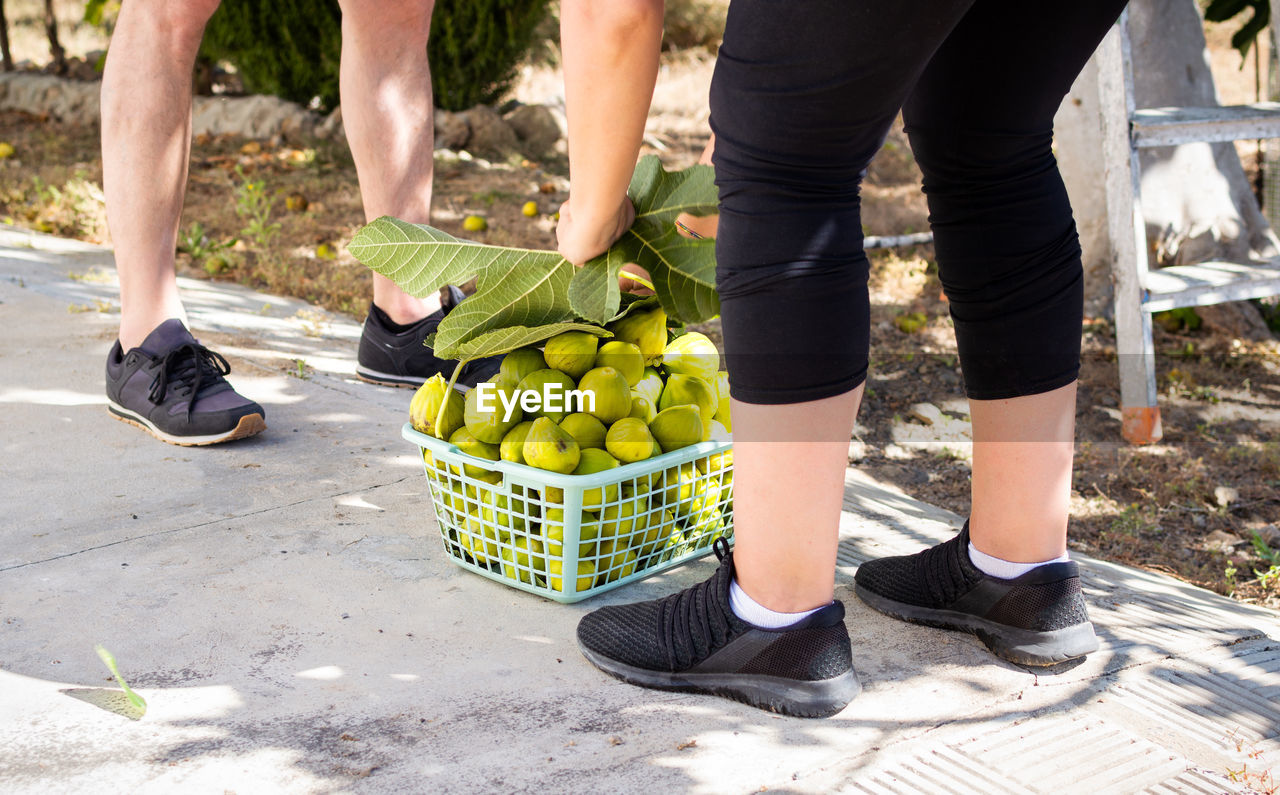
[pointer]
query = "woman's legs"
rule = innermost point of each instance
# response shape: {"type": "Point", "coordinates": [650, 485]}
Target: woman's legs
{"type": "Point", "coordinates": [1008, 254]}
{"type": "Point", "coordinates": [1022, 456]}
{"type": "Point", "coordinates": [794, 482]}
{"type": "Point", "coordinates": [803, 96]}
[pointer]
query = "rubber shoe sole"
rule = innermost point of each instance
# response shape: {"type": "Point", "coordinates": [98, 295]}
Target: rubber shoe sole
{"type": "Point", "coordinates": [387, 379]}
{"type": "Point", "coordinates": [400, 381]}
{"type": "Point", "coordinates": [794, 697]}
{"type": "Point", "coordinates": [1019, 646]}
{"type": "Point", "coordinates": [249, 425]}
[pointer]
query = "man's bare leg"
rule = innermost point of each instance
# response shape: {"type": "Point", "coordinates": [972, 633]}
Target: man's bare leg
{"type": "Point", "coordinates": [146, 143]}
{"type": "Point", "coordinates": [385, 85]}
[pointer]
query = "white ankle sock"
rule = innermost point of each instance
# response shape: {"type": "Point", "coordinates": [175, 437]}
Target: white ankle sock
{"type": "Point", "coordinates": [1005, 569]}
{"type": "Point", "coordinates": [752, 612]}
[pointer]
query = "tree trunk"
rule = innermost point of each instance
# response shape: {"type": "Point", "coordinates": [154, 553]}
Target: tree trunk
{"type": "Point", "coordinates": [1196, 199]}
{"type": "Point", "coordinates": [6, 57]}
{"type": "Point", "coordinates": [55, 47]}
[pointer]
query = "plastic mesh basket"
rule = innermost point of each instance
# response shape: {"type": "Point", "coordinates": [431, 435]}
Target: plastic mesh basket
{"type": "Point", "coordinates": [568, 537]}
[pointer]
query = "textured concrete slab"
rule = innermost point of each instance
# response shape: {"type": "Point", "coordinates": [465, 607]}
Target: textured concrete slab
{"type": "Point", "coordinates": [283, 605]}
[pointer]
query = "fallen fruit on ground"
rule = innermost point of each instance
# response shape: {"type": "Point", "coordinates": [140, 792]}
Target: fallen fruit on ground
{"type": "Point", "coordinates": [474, 223]}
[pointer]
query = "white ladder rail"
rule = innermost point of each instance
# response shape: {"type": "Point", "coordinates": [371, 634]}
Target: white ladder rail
{"type": "Point", "coordinates": [1140, 414]}
{"type": "Point", "coordinates": [1140, 291]}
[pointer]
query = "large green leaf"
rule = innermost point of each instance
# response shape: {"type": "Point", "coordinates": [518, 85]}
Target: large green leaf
{"type": "Point", "coordinates": [514, 287]}
{"type": "Point", "coordinates": [530, 291]}
{"type": "Point", "coordinates": [683, 270]}
{"type": "Point", "coordinates": [505, 340]}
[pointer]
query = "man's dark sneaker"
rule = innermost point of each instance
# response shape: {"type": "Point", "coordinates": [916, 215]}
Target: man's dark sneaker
{"type": "Point", "coordinates": [394, 355]}
{"type": "Point", "coordinates": [1036, 619]}
{"type": "Point", "coordinates": [173, 387]}
{"type": "Point", "coordinates": [692, 641]}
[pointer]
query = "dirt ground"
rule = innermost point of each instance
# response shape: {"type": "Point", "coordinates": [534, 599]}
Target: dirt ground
{"type": "Point", "coordinates": [1203, 505]}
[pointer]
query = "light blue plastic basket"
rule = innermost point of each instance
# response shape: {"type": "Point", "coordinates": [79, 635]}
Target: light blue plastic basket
{"type": "Point", "coordinates": [534, 529]}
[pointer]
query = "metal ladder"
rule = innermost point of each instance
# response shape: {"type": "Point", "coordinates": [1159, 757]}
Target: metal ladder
{"type": "Point", "coordinates": [1139, 291]}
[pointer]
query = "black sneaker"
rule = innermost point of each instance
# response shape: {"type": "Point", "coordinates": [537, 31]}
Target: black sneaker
{"type": "Point", "coordinates": [692, 641]}
{"type": "Point", "coordinates": [173, 387]}
{"type": "Point", "coordinates": [400, 358]}
{"type": "Point", "coordinates": [1036, 619]}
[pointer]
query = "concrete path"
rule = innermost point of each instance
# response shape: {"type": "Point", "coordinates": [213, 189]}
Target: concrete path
{"type": "Point", "coordinates": [284, 606]}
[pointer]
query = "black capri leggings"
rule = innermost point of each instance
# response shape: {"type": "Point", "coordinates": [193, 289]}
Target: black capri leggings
{"type": "Point", "coordinates": [803, 95]}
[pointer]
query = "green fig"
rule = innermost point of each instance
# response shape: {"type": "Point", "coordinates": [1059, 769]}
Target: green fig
{"type": "Point", "coordinates": [572, 353]}
{"type": "Point", "coordinates": [615, 562]}
{"type": "Point", "coordinates": [683, 390]}
{"type": "Point", "coordinates": [586, 575]}
{"type": "Point", "coordinates": [512, 446]}
{"type": "Point", "coordinates": [650, 385]}
{"type": "Point", "coordinates": [704, 526]}
{"type": "Point", "coordinates": [425, 407]}
{"type": "Point", "coordinates": [692, 354]}
{"type": "Point", "coordinates": [675, 546]}
{"type": "Point", "coordinates": [676, 427]}
{"type": "Point", "coordinates": [717, 432]}
{"type": "Point", "coordinates": [465, 441]}
{"type": "Point", "coordinates": [591, 462]}
{"type": "Point", "coordinates": [549, 447]}
{"type": "Point", "coordinates": [553, 533]}
{"type": "Point", "coordinates": [545, 393]}
{"type": "Point", "coordinates": [524, 559]}
{"type": "Point", "coordinates": [624, 518]}
{"type": "Point", "coordinates": [629, 440]}
{"type": "Point", "coordinates": [642, 408]}
{"type": "Point", "coordinates": [646, 329]}
{"type": "Point", "coordinates": [718, 465]}
{"type": "Point", "coordinates": [661, 525]}
{"type": "Point", "coordinates": [625, 357]}
{"type": "Point", "coordinates": [519, 363]}
{"type": "Point", "coordinates": [482, 541]}
{"type": "Point", "coordinates": [490, 410]}
{"type": "Point", "coordinates": [588, 430]}
{"type": "Point", "coordinates": [608, 397]}
{"type": "Point", "coordinates": [722, 400]}
{"type": "Point", "coordinates": [506, 513]}
{"type": "Point", "coordinates": [678, 484]}
{"type": "Point", "coordinates": [706, 496]}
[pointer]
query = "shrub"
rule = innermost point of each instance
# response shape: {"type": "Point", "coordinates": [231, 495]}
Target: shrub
{"type": "Point", "coordinates": [291, 48]}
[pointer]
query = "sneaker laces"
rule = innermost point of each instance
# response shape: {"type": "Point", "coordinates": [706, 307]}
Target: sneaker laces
{"type": "Point", "coordinates": [942, 573]}
{"type": "Point", "coordinates": [185, 369]}
{"type": "Point", "coordinates": [695, 621]}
